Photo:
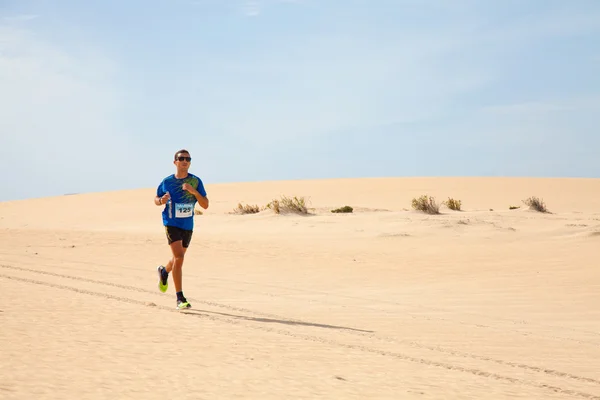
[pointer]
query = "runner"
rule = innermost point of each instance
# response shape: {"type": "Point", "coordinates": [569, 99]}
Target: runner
{"type": "Point", "coordinates": [178, 193]}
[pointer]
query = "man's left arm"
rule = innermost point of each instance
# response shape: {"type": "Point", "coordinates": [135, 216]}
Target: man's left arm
{"type": "Point", "coordinates": [200, 195]}
{"type": "Point", "coordinates": [202, 200]}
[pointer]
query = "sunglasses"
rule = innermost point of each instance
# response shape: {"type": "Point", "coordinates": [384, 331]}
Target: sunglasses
{"type": "Point", "coordinates": [188, 159]}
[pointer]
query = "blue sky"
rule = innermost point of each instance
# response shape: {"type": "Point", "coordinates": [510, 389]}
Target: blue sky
{"type": "Point", "coordinates": [97, 96]}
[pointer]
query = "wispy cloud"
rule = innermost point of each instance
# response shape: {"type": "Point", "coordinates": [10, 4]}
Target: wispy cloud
{"type": "Point", "coordinates": [20, 18]}
{"type": "Point", "coordinates": [58, 110]}
{"type": "Point", "coordinates": [528, 108]}
{"type": "Point", "coordinates": [252, 8]}
{"type": "Point", "coordinates": [550, 106]}
{"type": "Point", "coordinates": [475, 83]}
{"type": "Point", "coordinates": [355, 78]}
{"type": "Point", "coordinates": [318, 83]}
{"type": "Point", "coordinates": [556, 22]}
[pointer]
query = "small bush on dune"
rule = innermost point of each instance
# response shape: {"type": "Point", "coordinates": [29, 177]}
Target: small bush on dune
{"type": "Point", "coordinates": [345, 209]}
{"type": "Point", "coordinates": [514, 207]}
{"type": "Point", "coordinates": [246, 209]}
{"type": "Point", "coordinates": [288, 204]}
{"type": "Point", "coordinates": [536, 204]}
{"type": "Point", "coordinates": [274, 205]}
{"type": "Point", "coordinates": [295, 204]}
{"type": "Point", "coordinates": [426, 204]}
{"type": "Point", "coordinates": [453, 204]}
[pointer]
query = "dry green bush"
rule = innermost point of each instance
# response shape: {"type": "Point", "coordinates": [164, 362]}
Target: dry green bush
{"type": "Point", "coordinates": [453, 204]}
{"type": "Point", "coordinates": [289, 204]}
{"type": "Point", "coordinates": [426, 204]}
{"type": "Point", "coordinates": [246, 209]}
{"type": "Point", "coordinates": [536, 204]}
{"type": "Point", "coordinates": [514, 207]}
{"type": "Point", "coordinates": [274, 205]}
{"type": "Point", "coordinates": [345, 209]}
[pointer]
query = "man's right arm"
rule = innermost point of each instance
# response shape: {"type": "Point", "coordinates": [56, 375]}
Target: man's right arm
{"type": "Point", "coordinates": [162, 200]}
{"type": "Point", "coordinates": [159, 199]}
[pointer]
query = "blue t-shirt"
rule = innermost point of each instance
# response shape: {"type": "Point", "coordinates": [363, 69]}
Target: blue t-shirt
{"type": "Point", "coordinates": [179, 210]}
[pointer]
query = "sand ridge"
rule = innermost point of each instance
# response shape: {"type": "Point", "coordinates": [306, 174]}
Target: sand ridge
{"type": "Point", "coordinates": [383, 303]}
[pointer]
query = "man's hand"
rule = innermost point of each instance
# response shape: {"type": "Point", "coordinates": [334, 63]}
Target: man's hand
{"type": "Point", "coordinates": [165, 198]}
{"type": "Point", "coordinates": [203, 201]}
{"type": "Point", "coordinates": [189, 188]}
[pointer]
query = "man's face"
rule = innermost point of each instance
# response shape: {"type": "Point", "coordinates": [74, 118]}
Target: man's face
{"type": "Point", "coordinates": [183, 160]}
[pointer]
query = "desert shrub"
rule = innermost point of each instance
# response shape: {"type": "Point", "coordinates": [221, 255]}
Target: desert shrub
{"type": "Point", "coordinates": [345, 209]}
{"type": "Point", "coordinates": [274, 205]}
{"type": "Point", "coordinates": [536, 204]}
{"type": "Point", "coordinates": [514, 207]}
{"type": "Point", "coordinates": [294, 204]}
{"type": "Point", "coordinates": [246, 209]}
{"type": "Point", "coordinates": [426, 204]}
{"type": "Point", "coordinates": [453, 204]}
{"type": "Point", "coordinates": [288, 204]}
{"type": "Point", "coordinates": [198, 211]}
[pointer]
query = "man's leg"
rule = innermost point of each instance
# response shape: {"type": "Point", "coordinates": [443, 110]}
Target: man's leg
{"type": "Point", "coordinates": [176, 263]}
{"type": "Point", "coordinates": [176, 240]}
{"type": "Point", "coordinates": [176, 267]}
{"type": "Point", "coordinates": [163, 272]}
{"type": "Point", "coordinates": [169, 266]}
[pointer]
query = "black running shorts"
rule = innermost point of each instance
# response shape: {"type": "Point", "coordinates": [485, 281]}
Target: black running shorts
{"type": "Point", "coordinates": [174, 234]}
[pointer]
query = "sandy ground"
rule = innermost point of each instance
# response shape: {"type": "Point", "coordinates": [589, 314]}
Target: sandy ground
{"type": "Point", "coordinates": [383, 303]}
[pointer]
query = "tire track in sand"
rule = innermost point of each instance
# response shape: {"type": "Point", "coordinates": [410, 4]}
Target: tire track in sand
{"type": "Point", "coordinates": [233, 320]}
{"type": "Point", "coordinates": [525, 333]}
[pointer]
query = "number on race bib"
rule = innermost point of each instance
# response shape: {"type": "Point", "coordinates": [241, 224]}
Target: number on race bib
{"type": "Point", "coordinates": [183, 210]}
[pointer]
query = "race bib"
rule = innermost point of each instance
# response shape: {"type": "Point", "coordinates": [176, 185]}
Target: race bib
{"type": "Point", "coordinates": [183, 210]}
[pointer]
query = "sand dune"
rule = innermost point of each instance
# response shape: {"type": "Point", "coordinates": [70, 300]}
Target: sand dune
{"type": "Point", "coordinates": [382, 303]}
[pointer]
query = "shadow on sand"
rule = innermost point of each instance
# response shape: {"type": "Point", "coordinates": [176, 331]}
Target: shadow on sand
{"type": "Point", "coordinates": [270, 320]}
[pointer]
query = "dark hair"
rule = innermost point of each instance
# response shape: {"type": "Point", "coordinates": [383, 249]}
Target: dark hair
{"type": "Point", "coordinates": [179, 152]}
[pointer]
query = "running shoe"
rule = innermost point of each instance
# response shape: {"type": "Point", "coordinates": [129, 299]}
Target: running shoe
{"type": "Point", "coordinates": [183, 304]}
{"type": "Point", "coordinates": [163, 278]}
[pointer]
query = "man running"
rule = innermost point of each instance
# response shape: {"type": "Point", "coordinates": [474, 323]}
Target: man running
{"type": "Point", "coordinates": [178, 193]}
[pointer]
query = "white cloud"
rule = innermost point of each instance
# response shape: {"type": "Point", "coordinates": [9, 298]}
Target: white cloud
{"type": "Point", "coordinates": [57, 113]}
{"type": "Point", "coordinates": [252, 8]}
{"type": "Point", "coordinates": [555, 22]}
{"type": "Point", "coordinates": [536, 108]}
{"type": "Point", "coordinates": [327, 83]}
{"type": "Point", "coordinates": [528, 108]}
{"type": "Point", "coordinates": [304, 86]}
{"type": "Point", "coordinates": [20, 18]}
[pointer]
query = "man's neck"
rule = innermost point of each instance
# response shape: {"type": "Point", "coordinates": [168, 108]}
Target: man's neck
{"type": "Point", "coordinates": [181, 174]}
